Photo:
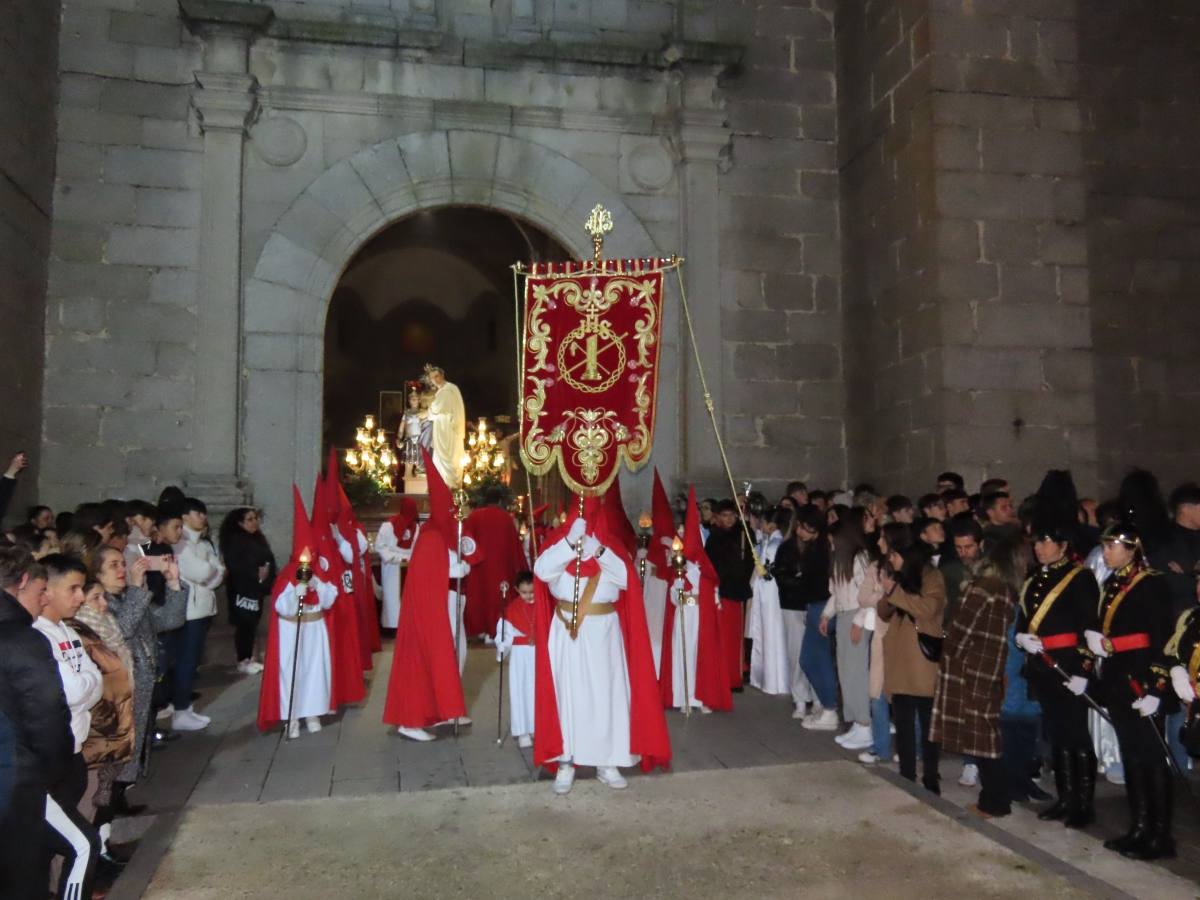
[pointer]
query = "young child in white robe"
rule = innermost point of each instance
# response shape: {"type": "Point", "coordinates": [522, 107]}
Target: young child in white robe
{"type": "Point", "coordinates": [514, 639]}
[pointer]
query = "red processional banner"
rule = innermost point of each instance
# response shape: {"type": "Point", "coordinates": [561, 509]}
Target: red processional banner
{"type": "Point", "coordinates": [589, 359]}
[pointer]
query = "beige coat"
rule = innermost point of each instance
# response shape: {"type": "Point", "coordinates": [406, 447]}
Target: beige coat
{"type": "Point", "coordinates": [905, 668]}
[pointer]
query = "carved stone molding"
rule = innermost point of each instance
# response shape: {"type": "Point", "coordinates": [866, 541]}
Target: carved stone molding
{"type": "Point", "coordinates": [224, 102]}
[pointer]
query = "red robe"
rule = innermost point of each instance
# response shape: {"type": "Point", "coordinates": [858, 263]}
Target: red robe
{"type": "Point", "coordinates": [341, 514]}
{"type": "Point", "coordinates": [345, 649]}
{"type": "Point", "coordinates": [648, 736]}
{"type": "Point", "coordinates": [424, 687]}
{"type": "Point", "coordinates": [500, 558]}
{"type": "Point", "coordinates": [712, 684]}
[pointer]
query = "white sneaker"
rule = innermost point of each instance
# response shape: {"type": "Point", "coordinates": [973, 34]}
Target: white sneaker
{"type": "Point", "coordinates": [414, 734]}
{"type": "Point", "coordinates": [293, 731]}
{"type": "Point", "coordinates": [166, 712]}
{"type": "Point", "coordinates": [859, 737]}
{"type": "Point", "coordinates": [826, 720]}
{"type": "Point", "coordinates": [705, 710]}
{"type": "Point", "coordinates": [799, 713]}
{"type": "Point", "coordinates": [564, 779]}
{"type": "Point", "coordinates": [611, 776]}
{"type": "Point", "coordinates": [524, 741]}
{"type": "Point", "coordinates": [462, 720]}
{"type": "Point", "coordinates": [243, 667]}
{"type": "Point", "coordinates": [969, 776]}
{"type": "Point", "coordinates": [868, 758]}
{"type": "Point", "coordinates": [187, 720]}
{"type": "Point", "coordinates": [313, 724]}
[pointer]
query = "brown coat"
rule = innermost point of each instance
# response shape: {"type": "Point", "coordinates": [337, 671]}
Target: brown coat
{"type": "Point", "coordinates": [905, 668]}
{"type": "Point", "coordinates": [966, 708]}
{"type": "Point", "coordinates": [111, 737]}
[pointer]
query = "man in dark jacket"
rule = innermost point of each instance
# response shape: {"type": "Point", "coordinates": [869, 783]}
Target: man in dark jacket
{"type": "Point", "coordinates": [35, 712]}
{"type": "Point", "coordinates": [1179, 556]}
{"type": "Point", "coordinates": [733, 557]}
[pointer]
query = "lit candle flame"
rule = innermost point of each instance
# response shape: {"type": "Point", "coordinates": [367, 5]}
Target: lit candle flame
{"type": "Point", "coordinates": [305, 559]}
{"type": "Point", "coordinates": [676, 545]}
{"type": "Point", "coordinates": [370, 423]}
{"type": "Point", "coordinates": [645, 521]}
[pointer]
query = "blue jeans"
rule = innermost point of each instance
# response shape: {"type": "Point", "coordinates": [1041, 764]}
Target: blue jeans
{"type": "Point", "coordinates": [816, 658]}
{"type": "Point", "coordinates": [189, 649]}
{"type": "Point", "coordinates": [881, 728]}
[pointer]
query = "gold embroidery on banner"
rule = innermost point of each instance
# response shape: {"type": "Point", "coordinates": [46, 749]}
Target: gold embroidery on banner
{"type": "Point", "coordinates": [590, 358]}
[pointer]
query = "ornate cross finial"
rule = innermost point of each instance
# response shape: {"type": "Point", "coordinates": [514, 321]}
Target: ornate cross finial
{"type": "Point", "coordinates": [598, 224]}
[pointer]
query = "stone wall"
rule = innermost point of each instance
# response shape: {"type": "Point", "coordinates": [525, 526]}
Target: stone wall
{"type": "Point", "coordinates": [781, 296]}
{"type": "Point", "coordinates": [980, 355]}
{"type": "Point", "coordinates": [121, 309]}
{"type": "Point", "coordinates": [893, 374]}
{"type": "Point", "coordinates": [1141, 102]}
{"type": "Point", "coordinates": [28, 82]}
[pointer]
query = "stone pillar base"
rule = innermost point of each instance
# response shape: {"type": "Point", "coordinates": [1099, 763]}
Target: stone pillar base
{"type": "Point", "coordinates": [220, 493]}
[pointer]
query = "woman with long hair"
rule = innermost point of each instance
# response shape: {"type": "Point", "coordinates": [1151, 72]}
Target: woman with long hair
{"type": "Point", "coordinates": [970, 688]}
{"type": "Point", "coordinates": [914, 597]}
{"type": "Point", "coordinates": [250, 572]}
{"type": "Point", "coordinates": [847, 571]}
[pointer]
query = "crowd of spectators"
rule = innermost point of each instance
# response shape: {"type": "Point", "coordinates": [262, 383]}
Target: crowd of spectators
{"type": "Point", "coordinates": [104, 618]}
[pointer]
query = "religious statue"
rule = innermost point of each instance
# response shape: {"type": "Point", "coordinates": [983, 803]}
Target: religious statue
{"type": "Point", "coordinates": [414, 433]}
{"type": "Point", "coordinates": [449, 426]}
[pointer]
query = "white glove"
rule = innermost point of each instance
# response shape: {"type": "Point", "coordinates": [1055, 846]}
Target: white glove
{"type": "Point", "coordinates": [578, 527]}
{"type": "Point", "coordinates": [693, 574]}
{"type": "Point", "coordinates": [1077, 684]}
{"type": "Point", "coordinates": [1182, 684]}
{"type": "Point", "coordinates": [501, 649]}
{"type": "Point", "coordinates": [591, 546]}
{"type": "Point", "coordinates": [1095, 642]}
{"type": "Point", "coordinates": [1147, 705]}
{"type": "Point", "coordinates": [1030, 643]}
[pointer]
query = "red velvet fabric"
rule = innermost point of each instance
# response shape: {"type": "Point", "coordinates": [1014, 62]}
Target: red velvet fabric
{"type": "Point", "coordinates": [501, 558]}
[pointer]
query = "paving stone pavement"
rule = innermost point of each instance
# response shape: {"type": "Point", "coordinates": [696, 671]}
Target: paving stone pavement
{"type": "Point", "coordinates": [356, 755]}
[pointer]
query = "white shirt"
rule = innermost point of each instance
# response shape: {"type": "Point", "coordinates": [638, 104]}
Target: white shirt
{"type": "Point", "coordinates": [81, 679]}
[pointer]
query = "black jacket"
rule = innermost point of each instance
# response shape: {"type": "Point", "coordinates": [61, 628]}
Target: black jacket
{"type": "Point", "coordinates": [733, 558]}
{"type": "Point", "coordinates": [1073, 612]}
{"type": "Point", "coordinates": [1145, 608]}
{"type": "Point", "coordinates": [802, 573]}
{"type": "Point", "coordinates": [1181, 547]}
{"type": "Point", "coordinates": [243, 555]}
{"type": "Point", "coordinates": [32, 700]}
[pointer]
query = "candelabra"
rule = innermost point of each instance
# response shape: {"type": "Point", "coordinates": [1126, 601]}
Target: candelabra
{"type": "Point", "coordinates": [482, 462]}
{"type": "Point", "coordinates": [371, 457]}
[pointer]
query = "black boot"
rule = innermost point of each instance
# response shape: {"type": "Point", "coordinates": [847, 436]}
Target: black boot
{"type": "Point", "coordinates": [1157, 842]}
{"type": "Point", "coordinates": [1139, 811]}
{"type": "Point", "coordinates": [1083, 789]}
{"type": "Point", "coordinates": [1062, 785]}
{"type": "Point", "coordinates": [122, 807]}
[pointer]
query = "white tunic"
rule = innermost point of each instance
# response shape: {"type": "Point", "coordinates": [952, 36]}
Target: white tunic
{"type": "Point", "coordinates": [521, 665]}
{"type": "Point", "coordinates": [690, 617]}
{"type": "Point", "coordinates": [591, 677]}
{"type": "Point", "coordinates": [391, 558]}
{"type": "Point", "coordinates": [655, 597]}
{"type": "Point", "coordinates": [454, 609]}
{"type": "Point", "coordinates": [769, 668]}
{"type": "Point", "coordinates": [314, 671]}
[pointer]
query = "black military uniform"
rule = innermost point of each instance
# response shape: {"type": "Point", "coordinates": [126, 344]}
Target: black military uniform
{"type": "Point", "coordinates": [1058, 604]}
{"type": "Point", "coordinates": [1136, 624]}
{"type": "Point", "coordinates": [1183, 651]}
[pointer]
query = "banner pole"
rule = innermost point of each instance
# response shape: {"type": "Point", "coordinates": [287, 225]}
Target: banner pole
{"type": "Point", "coordinates": [519, 322]}
{"type": "Point", "coordinates": [712, 416]}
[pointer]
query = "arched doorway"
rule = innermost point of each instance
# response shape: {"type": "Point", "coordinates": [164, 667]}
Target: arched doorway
{"type": "Point", "coordinates": [434, 287]}
{"type": "Point", "coordinates": [287, 296]}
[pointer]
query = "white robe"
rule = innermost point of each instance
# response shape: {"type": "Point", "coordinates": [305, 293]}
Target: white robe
{"type": "Point", "coordinates": [690, 617]}
{"type": "Point", "coordinates": [654, 594]}
{"type": "Point", "coordinates": [391, 558]}
{"type": "Point", "coordinates": [449, 421]}
{"type": "Point", "coordinates": [770, 670]}
{"type": "Point", "coordinates": [314, 671]}
{"type": "Point", "coordinates": [591, 676]}
{"type": "Point", "coordinates": [454, 609]}
{"type": "Point", "coordinates": [521, 666]}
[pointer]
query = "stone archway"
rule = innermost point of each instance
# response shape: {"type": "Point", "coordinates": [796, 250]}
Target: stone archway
{"type": "Point", "coordinates": [287, 296]}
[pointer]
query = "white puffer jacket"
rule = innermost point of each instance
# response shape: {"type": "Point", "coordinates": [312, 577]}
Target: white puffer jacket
{"type": "Point", "coordinates": [200, 567]}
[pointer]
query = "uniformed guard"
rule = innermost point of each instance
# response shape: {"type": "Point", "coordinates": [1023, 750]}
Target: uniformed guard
{"type": "Point", "coordinates": [1135, 685]}
{"type": "Point", "coordinates": [1183, 656]}
{"type": "Point", "coordinates": [1058, 604]}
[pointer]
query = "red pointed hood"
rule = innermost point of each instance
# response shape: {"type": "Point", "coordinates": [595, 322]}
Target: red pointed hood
{"type": "Point", "coordinates": [664, 524]}
{"type": "Point", "coordinates": [693, 538]}
{"type": "Point", "coordinates": [618, 522]}
{"type": "Point", "coordinates": [441, 502]}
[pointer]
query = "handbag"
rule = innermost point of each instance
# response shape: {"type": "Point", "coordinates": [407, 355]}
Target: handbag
{"type": "Point", "coordinates": [931, 647]}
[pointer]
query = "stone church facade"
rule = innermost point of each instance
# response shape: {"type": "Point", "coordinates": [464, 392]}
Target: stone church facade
{"type": "Point", "coordinates": [918, 236]}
